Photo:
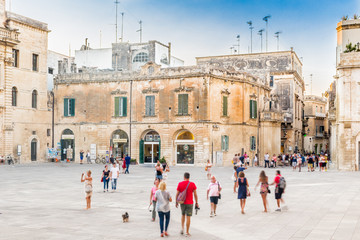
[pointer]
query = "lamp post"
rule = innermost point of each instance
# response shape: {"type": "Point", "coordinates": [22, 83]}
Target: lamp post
{"type": "Point", "coordinates": [266, 19]}
{"type": "Point", "coordinates": [251, 28]}
{"type": "Point", "coordinates": [260, 32]}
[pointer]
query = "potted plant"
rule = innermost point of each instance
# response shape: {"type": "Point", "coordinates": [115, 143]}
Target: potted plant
{"type": "Point", "coordinates": [133, 161]}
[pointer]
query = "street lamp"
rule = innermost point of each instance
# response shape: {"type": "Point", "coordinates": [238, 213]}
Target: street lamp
{"type": "Point", "coordinates": [266, 19]}
{"type": "Point", "coordinates": [251, 28]}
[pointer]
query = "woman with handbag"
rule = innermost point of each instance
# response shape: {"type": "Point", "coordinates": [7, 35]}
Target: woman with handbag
{"type": "Point", "coordinates": [88, 187]}
{"type": "Point", "coordinates": [243, 191]}
{"type": "Point", "coordinates": [105, 178]}
{"type": "Point", "coordinates": [163, 199]}
{"type": "Point", "coordinates": [213, 191]}
{"type": "Point", "coordinates": [264, 188]}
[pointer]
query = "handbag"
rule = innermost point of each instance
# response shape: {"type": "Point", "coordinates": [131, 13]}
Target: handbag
{"type": "Point", "coordinates": [219, 190]}
{"type": "Point", "coordinates": [102, 179]}
{"type": "Point", "coordinates": [182, 196]}
{"type": "Point", "coordinates": [248, 192]}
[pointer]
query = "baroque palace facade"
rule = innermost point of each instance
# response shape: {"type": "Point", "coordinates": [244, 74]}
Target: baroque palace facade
{"type": "Point", "coordinates": [187, 115]}
{"type": "Point", "coordinates": [25, 119]}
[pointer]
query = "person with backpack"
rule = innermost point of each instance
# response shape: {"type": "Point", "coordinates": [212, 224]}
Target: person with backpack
{"type": "Point", "coordinates": [213, 190]}
{"type": "Point", "coordinates": [184, 197]}
{"type": "Point", "coordinates": [280, 185]}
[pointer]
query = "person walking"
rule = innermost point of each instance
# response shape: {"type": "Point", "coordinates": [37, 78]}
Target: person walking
{"type": "Point", "coordinates": [208, 169]}
{"type": "Point", "coordinates": [88, 188]}
{"type": "Point", "coordinates": [105, 178]}
{"type": "Point", "coordinates": [299, 161]}
{"type": "Point", "coordinates": [186, 202]}
{"type": "Point", "coordinates": [159, 171]}
{"type": "Point", "coordinates": [235, 177]}
{"type": "Point", "coordinates": [266, 159]}
{"type": "Point", "coordinates": [213, 192]}
{"type": "Point", "coordinates": [280, 185]}
{"type": "Point", "coordinates": [163, 199]}
{"type": "Point", "coordinates": [88, 158]}
{"type": "Point", "coordinates": [294, 162]}
{"type": "Point", "coordinates": [235, 159]}
{"type": "Point", "coordinates": [127, 162]}
{"type": "Point", "coordinates": [242, 185]}
{"type": "Point", "coordinates": [114, 175]}
{"type": "Point", "coordinates": [255, 161]}
{"type": "Point", "coordinates": [153, 199]}
{"type": "Point", "coordinates": [264, 188]}
{"type": "Point", "coordinates": [81, 156]}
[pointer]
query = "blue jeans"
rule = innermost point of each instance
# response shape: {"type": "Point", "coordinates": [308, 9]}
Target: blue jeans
{"type": "Point", "coordinates": [127, 168]}
{"type": "Point", "coordinates": [161, 220]}
{"type": "Point", "coordinates": [106, 183]}
{"type": "Point", "coordinates": [113, 183]}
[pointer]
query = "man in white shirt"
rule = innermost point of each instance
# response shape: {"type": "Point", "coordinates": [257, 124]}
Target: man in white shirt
{"type": "Point", "coordinates": [267, 162]}
{"type": "Point", "coordinates": [114, 174]}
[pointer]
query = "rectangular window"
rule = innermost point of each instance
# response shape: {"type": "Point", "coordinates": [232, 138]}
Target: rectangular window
{"type": "Point", "coordinates": [16, 58]}
{"type": "Point", "coordinates": [150, 106]}
{"type": "Point", "coordinates": [183, 100]}
{"type": "Point", "coordinates": [120, 106]}
{"type": "Point", "coordinates": [51, 70]}
{"type": "Point", "coordinates": [224, 143]}
{"type": "Point", "coordinates": [69, 107]}
{"type": "Point", "coordinates": [253, 109]}
{"type": "Point", "coordinates": [225, 105]}
{"type": "Point", "coordinates": [321, 129]}
{"type": "Point", "coordinates": [271, 81]}
{"type": "Point", "coordinates": [252, 143]}
{"type": "Point", "coordinates": [48, 131]}
{"type": "Point", "coordinates": [35, 62]}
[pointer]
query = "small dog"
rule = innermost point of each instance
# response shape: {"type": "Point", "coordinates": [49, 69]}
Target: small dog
{"type": "Point", "coordinates": [125, 217]}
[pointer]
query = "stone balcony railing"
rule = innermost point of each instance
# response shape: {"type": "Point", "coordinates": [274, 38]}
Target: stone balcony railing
{"type": "Point", "coordinates": [270, 116]}
{"type": "Point", "coordinates": [320, 115]}
{"type": "Point", "coordinates": [9, 35]}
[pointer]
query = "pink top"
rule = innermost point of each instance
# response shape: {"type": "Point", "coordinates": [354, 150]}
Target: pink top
{"type": "Point", "coordinates": [153, 190]}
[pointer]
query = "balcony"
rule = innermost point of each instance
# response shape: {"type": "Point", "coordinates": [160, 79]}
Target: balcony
{"type": "Point", "coordinates": [320, 115]}
{"type": "Point", "coordinates": [319, 135]}
{"type": "Point", "coordinates": [9, 36]}
{"type": "Point", "coordinates": [270, 116]}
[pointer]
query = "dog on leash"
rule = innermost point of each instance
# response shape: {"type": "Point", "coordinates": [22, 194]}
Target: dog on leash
{"type": "Point", "coordinates": [125, 217]}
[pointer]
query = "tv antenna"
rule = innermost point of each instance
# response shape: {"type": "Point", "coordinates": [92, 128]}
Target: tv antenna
{"type": "Point", "coordinates": [140, 30]}
{"type": "Point", "coordinates": [277, 35]}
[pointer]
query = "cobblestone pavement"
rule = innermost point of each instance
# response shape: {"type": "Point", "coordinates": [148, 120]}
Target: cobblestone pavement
{"type": "Point", "coordinates": [46, 201]}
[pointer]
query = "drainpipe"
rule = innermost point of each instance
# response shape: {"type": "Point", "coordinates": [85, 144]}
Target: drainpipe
{"type": "Point", "coordinates": [52, 120]}
{"type": "Point", "coordinates": [131, 83]}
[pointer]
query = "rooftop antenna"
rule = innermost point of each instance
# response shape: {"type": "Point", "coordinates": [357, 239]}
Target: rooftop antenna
{"type": "Point", "coordinates": [122, 27]}
{"type": "Point", "coordinates": [260, 32]}
{"type": "Point", "coordinates": [277, 35]}
{"type": "Point", "coordinates": [251, 29]}
{"type": "Point", "coordinates": [266, 19]}
{"type": "Point", "coordinates": [238, 44]}
{"type": "Point", "coordinates": [116, 23]}
{"type": "Point", "coordinates": [231, 50]}
{"type": "Point", "coordinates": [140, 30]}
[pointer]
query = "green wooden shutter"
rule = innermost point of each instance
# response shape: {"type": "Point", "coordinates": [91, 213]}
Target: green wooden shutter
{"type": "Point", "coordinates": [255, 109]}
{"type": "Point", "coordinates": [72, 107]}
{"type": "Point", "coordinates": [226, 143]}
{"type": "Point", "coordinates": [185, 104]}
{"type": "Point", "coordinates": [141, 151]}
{"type": "Point", "coordinates": [152, 105]}
{"type": "Point", "coordinates": [117, 106]}
{"type": "Point", "coordinates": [124, 102]}
{"type": "Point", "coordinates": [180, 104]}
{"type": "Point", "coordinates": [225, 105]}
{"type": "Point", "coordinates": [66, 107]}
{"type": "Point", "coordinates": [251, 111]}
{"type": "Point", "coordinates": [222, 143]}
{"type": "Point", "coordinates": [147, 106]}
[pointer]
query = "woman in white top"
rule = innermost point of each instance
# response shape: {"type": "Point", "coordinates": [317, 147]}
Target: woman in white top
{"type": "Point", "coordinates": [163, 199]}
{"type": "Point", "coordinates": [208, 169]}
{"type": "Point", "coordinates": [88, 188]}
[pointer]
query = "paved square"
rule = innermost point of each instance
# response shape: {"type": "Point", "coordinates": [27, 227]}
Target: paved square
{"type": "Point", "coordinates": [46, 201]}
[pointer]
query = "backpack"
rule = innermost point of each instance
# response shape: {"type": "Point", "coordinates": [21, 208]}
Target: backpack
{"type": "Point", "coordinates": [282, 183]}
{"type": "Point", "coordinates": [182, 196]}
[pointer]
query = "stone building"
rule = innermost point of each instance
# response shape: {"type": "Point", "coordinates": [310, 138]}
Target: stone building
{"type": "Point", "coordinates": [282, 71]}
{"type": "Point", "coordinates": [185, 114]}
{"type": "Point", "coordinates": [24, 114]}
{"type": "Point", "coordinates": [317, 130]}
{"type": "Point", "coordinates": [125, 56]}
{"type": "Point", "coordinates": [58, 63]}
{"type": "Point", "coordinates": [345, 127]}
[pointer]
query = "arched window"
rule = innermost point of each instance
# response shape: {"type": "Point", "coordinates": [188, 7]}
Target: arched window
{"type": "Point", "coordinates": [14, 96]}
{"type": "Point", "coordinates": [34, 99]}
{"type": "Point", "coordinates": [141, 57]}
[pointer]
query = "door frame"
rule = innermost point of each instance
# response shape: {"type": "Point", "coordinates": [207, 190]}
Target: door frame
{"type": "Point", "coordinates": [152, 151]}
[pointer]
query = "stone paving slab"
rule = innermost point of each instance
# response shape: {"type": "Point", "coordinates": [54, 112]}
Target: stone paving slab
{"type": "Point", "coordinates": [46, 201]}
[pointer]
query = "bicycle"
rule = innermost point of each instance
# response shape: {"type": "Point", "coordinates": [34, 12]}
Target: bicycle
{"type": "Point", "coordinates": [10, 160]}
{"type": "Point", "coordinates": [100, 159]}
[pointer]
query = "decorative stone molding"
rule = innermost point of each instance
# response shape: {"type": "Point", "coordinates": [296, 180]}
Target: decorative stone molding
{"type": "Point", "coordinates": [118, 92]}
{"type": "Point", "coordinates": [253, 96]}
{"type": "Point", "coordinates": [183, 89]}
{"type": "Point", "coordinates": [225, 91]}
{"type": "Point", "coordinates": [150, 90]}
{"type": "Point", "coordinates": [9, 61]}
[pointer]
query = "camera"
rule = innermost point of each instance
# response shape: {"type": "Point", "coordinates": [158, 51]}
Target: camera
{"type": "Point", "coordinates": [196, 209]}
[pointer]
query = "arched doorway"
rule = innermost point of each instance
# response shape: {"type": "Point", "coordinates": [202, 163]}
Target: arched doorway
{"type": "Point", "coordinates": [185, 148]}
{"type": "Point", "coordinates": [119, 143]}
{"type": "Point", "coordinates": [150, 147]}
{"type": "Point", "coordinates": [33, 149]}
{"type": "Point", "coordinates": [67, 145]}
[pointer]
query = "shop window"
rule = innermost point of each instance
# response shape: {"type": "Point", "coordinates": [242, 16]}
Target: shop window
{"type": "Point", "coordinates": [253, 109]}
{"type": "Point", "coordinates": [120, 106]}
{"type": "Point", "coordinates": [69, 107]}
{"type": "Point", "coordinates": [252, 143]}
{"type": "Point", "coordinates": [34, 99]}
{"type": "Point", "coordinates": [225, 106]}
{"type": "Point", "coordinates": [141, 57]}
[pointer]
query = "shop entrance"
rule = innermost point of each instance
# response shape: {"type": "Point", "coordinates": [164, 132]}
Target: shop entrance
{"type": "Point", "coordinates": [33, 149]}
{"type": "Point", "coordinates": [150, 148]}
{"type": "Point", "coordinates": [185, 148]}
{"type": "Point", "coordinates": [119, 144]}
{"type": "Point", "coordinates": [67, 145]}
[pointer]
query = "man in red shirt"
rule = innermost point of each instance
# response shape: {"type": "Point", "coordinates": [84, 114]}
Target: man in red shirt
{"type": "Point", "coordinates": [278, 191]}
{"type": "Point", "coordinates": [187, 206]}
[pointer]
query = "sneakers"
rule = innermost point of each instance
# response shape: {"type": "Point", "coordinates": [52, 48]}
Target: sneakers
{"type": "Point", "coordinates": [278, 210]}
{"type": "Point", "coordinates": [211, 214]}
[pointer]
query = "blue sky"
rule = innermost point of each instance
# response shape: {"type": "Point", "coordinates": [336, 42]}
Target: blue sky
{"type": "Point", "coordinates": [201, 27]}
